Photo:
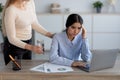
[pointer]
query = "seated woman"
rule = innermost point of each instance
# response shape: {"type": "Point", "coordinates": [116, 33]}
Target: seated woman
{"type": "Point", "coordinates": [71, 45]}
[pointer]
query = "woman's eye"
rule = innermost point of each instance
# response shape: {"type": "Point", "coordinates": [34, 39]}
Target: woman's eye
{"type": "Point", "coordinates": [80, 28]}
{"type": "Point", "coordinates": [73, 27]}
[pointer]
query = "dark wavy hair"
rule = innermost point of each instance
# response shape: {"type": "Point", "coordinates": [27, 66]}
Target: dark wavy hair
{"type": "Point", "coordinates": [73, 18]}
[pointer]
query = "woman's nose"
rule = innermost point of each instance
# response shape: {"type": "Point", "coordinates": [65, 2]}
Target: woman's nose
{"type": "Point", "coordinates": [76, 31]}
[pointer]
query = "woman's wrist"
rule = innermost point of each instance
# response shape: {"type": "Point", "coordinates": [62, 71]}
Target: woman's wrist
{"type": "Point", "coordinates": [29, 47]}
{"type": "Point", "coordinates": [84, 36]}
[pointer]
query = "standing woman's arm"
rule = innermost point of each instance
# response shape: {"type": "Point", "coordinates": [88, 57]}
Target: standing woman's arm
{"type": "Point", "coordinates": [35, 25]}
{"type": "Point", "coordinates": [9, 20]}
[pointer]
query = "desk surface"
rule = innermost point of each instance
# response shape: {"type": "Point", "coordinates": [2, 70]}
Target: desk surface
{"type": "Point", "coordinates": [6, 73]}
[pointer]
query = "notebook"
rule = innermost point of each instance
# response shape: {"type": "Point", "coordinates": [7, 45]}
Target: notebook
{"type": "Point", "coordinates": [101, 59]}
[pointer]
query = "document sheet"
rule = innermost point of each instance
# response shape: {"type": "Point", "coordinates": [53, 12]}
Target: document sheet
{"type": "Point", "coordinates": [51, 68]}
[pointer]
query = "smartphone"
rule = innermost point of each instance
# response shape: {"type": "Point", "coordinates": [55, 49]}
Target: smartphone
{"type": "Point", "coordinates": [14, 61]}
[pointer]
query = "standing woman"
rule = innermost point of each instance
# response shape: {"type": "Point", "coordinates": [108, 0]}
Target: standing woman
{"type": "Point", "coordinates": [19, 18]}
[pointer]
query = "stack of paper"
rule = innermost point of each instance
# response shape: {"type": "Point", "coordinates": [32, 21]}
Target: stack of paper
{"type": "Point", "coordinates": [51, 68]}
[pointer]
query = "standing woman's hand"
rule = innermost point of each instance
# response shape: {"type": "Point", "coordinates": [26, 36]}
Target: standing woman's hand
{"type": "Point", "coordinates": [35, 49]}
{"type": "Point", "coordinates": [49, 34]}
{"type": "Point", "coordinates": [83, 32]}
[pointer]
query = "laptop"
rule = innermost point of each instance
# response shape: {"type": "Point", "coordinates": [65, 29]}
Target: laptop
{"type": "Point", "coordinates": [101, 59]}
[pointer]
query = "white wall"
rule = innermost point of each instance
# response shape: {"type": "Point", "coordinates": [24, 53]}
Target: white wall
{"type": "Point", "coordinates": [2, 1]}
{"type": "Point", "coordinates": [75, 5]}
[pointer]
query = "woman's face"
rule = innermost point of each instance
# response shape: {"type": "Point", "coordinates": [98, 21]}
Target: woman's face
{"type": "Point", "coordinates": [74, 29]}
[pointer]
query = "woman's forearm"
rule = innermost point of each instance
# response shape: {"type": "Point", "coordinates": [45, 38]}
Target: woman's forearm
{"type": "Point", "coordinates": [29, 47]}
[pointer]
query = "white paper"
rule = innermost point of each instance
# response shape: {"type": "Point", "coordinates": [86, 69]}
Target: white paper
{"type": "Point", "coordinates": [51, 68]}
{"type": "Point", "coordinates": [39, 68]}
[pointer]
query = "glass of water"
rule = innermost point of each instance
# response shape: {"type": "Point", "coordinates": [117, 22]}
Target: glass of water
{"type": "Point", "coordinates": [41, 43]}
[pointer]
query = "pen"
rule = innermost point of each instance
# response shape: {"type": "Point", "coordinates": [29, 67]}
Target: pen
{"type": "Point", "coordinates": [14, 61]}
